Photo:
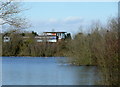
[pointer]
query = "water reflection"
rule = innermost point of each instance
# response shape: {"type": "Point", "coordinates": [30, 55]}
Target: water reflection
{"type": "Point", "coordinates": [46, 71]}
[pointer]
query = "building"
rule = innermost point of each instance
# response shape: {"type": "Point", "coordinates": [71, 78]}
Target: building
{"type": "Point", "coordinates": [51, 37]}
{"type": "Point", "coordinates": [55, 36]}
{"type": "Point", "coordinates": [6, 39]}
{"type": "Point", "coordinates": [43, 38]}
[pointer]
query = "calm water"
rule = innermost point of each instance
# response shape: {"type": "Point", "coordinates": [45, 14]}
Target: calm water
{"type": "Point", "coordinates": [46, 71]}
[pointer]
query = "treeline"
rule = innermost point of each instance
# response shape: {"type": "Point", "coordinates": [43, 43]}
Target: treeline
{"type": "Point", "coordinates": [19, 46]}
{"type": "Point", "coordinates": [99, 47]}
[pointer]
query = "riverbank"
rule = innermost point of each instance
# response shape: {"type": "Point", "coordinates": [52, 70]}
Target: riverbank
{"type": "Point", "coordinates": [99, 47]}
{"type": "Point", "coordinates": [67, 61]}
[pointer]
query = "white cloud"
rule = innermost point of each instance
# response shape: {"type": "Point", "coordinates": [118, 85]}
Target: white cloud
{"type": "Point", "coordinates": [67, 24]}
{"type": "Point", "coordinates": [71, 18]}
{"type": "Point", "coordinates": [52, 20]}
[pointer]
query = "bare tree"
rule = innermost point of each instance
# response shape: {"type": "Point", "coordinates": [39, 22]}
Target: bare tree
{"type": "Point", "coordinates": [10, 15]}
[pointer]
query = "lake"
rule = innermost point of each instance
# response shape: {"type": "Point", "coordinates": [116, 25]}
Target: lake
{"type": "Point", "coordinates": [46, 71]}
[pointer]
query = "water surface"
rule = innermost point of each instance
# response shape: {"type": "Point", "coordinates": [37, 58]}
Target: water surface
{"type": "Point", "coordinates": [46, 71]}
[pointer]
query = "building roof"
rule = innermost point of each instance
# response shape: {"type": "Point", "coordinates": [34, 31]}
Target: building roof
{"type": "Point", "coordinates": [54, 32]}
{"type": "Point", "coordinates": [44, 36]}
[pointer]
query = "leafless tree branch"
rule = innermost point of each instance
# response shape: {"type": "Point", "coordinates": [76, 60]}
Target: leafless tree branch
{"type": "Point", "coordinates": [9, 12]}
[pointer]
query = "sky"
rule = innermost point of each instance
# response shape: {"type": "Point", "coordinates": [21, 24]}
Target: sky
{"type": "Point", "coordinates": [68, 16]}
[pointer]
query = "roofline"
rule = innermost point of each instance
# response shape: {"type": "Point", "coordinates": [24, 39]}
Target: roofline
{"type": "Point", "coordinates": [45, 35]}
{"type": "Point", "coordinates": [54, 32]}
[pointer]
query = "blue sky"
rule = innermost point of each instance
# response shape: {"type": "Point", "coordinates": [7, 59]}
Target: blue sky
{"type": "Point", "coordinates": [68, 16]}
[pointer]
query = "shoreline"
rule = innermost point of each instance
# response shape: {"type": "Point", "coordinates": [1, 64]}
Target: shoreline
{"type": "Point", "coordinates": [70, 63]}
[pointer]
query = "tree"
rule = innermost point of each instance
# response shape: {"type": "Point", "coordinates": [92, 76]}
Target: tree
{"type": "Point", "coordinates": [68, 36]}
{"type": "Point", "coordinates": [10, 15]}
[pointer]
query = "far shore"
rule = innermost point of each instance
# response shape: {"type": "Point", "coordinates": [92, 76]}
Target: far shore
{"type": "Point", "coordinates": [70, 63]}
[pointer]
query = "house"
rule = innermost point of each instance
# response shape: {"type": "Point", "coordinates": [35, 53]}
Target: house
{"type": "Point", "coordinates": [55, 36]}
{"type": "Point", "coordinates": [6, 39]}
{"type": "Point", "coordinates": [51, 37]}
{"type": "Point", "coordinates": [44, 38]}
